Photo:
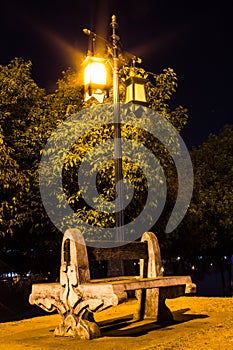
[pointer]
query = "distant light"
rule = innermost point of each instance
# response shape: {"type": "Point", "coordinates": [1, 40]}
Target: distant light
{"type": "Point", "coordinates": [225, 258]}
{"type": "Point", "coordinates": [200, 257]}
{"type": "Point", "coordinates": [178, 258]}
{"type": "Point", "coordinates": [193, 267]}
{"type": "Point", "coordinates": [10, 274]}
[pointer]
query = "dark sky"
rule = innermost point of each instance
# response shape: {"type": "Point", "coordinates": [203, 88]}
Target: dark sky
{"type": "Point", "coordinates": [195, 38]}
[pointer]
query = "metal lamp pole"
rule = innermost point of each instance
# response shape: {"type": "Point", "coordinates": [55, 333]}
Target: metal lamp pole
{"type": "Point", "coordinates": [117, 136]}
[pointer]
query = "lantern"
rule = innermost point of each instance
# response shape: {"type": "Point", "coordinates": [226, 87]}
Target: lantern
{"type": "Point", "coordinates": [135, 90]}
{"type": "Point", "coordinates": [95, 78]}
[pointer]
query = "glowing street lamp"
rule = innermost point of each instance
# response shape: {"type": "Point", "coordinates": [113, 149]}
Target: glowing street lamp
{"type": "Point", "coordinates": [95, 78]}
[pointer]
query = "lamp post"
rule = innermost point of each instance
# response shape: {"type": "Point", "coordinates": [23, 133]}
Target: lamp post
{"type": "Point", "coordinates": [117, 136]}
{"type": "Point", "coordinates": [135, 92]}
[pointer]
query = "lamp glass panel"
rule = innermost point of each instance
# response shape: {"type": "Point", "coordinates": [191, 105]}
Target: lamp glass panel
{"type": "Point", "coordinates": [95, 73]}
{"type": "Point", "coordinates": [135, 92]}
{"type": "Point", "coordinates": [129, 93]}
{"type": "Point", "coordinates": [139, 92]}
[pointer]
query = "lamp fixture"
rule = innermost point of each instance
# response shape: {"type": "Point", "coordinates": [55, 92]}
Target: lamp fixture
{"type": "Point", "coordinates": [135, 90]}
{"type": "Point", "coordinates": [95, 78]}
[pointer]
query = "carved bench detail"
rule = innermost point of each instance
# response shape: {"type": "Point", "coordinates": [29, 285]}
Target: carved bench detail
{"type": "Point", "coordinates": [77, 296]}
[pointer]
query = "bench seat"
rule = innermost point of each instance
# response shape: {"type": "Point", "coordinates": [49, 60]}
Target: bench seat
{"type": "Point", "coordinates": [116, 285]}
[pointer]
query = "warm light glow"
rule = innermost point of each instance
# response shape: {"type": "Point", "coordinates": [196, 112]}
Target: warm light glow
{"type": "Point", "coordinates": [95, 73]}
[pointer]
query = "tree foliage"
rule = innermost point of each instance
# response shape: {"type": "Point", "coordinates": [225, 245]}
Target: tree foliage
{"type": "Point", "coordinates": [20, 97]}
{"type": "Point", "coordinates": [167, 82]}
{"type": "Point", "coordinates": [28, 116]}
{"type": "Point", "coordinates": [208, 226]}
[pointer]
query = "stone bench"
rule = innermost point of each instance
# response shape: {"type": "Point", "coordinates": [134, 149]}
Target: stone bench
{"type": "Point", "coordinates": [77, 296]}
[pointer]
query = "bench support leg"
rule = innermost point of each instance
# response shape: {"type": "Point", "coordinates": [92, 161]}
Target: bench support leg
{"type": "Point", "coordinates": [148, 304]}
{"type": "Point", "coordinates": [164, 313]}
{"type": "Point", "coordinates": [82, 326]}
{"type": "Point", "coordinates": [152, 305]}
{"type": "Point", "coordinates": [77, 321]}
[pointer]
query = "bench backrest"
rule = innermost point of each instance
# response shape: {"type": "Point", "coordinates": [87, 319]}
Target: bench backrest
{"type": "Point", "coordinates": [74, 259]}
{"type": "Point", "coordinates": [75, 256]}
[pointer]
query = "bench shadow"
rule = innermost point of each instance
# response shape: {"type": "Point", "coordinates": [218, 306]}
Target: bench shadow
{"type": "Point", "coordinates": [127, 327]}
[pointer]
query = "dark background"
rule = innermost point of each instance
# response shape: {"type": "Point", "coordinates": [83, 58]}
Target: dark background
{"type": "Point", "coordinates": [192, 37]}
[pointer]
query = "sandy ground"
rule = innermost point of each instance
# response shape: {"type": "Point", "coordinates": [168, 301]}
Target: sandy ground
{"type": "Point", "coordinates": [201, 323]}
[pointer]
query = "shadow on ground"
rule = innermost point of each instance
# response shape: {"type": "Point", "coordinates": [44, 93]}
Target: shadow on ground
{"type": "Point", "coordinates": [126, 327]}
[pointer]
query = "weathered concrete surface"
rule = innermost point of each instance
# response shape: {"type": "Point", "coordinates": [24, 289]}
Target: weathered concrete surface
{"type": "Point", "coordinates": [202, 323]}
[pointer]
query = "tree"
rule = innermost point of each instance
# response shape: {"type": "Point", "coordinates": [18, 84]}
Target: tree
{"type": "Point", "coordinates": [24, 129]}
{"type": "Point", "coordinates": [208, 226]}
{"type": "Point", "coordinates": [28, 118]}
{"type": "Point", "coordinates": [13, 184]}
{"type": "Point", "coordinates": [162, 92]}
{"type": "Point", "coordinates": [19, 99]}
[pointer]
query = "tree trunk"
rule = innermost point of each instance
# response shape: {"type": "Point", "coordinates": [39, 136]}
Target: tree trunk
{"type": "Point", "coordinates": [229, 273]}
{"type": "Point", "coordinates": [222, 277]}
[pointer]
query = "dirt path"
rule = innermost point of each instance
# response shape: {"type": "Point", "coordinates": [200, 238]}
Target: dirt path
{"type": "Point", "coordinates": [201, 323]}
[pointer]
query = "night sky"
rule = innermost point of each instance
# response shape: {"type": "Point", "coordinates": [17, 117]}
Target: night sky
{"type": "Point", "coordinates": [192, 37]}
